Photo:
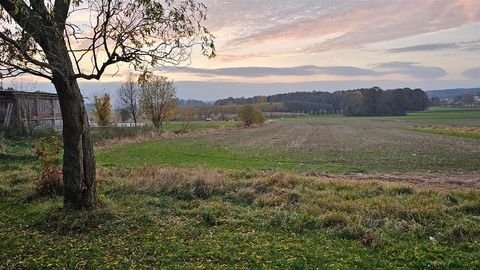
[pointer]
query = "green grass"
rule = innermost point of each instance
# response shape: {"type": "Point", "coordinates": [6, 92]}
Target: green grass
{"type": "Point", "coordinates": [464, 132]}
{"type": "Point", "coordinates": [237, 201]}
{"type": "Point", "coordinates": [209, 219]}
{"type": "Point", "coordinates": [433, 115]}
{"type": "Point", "coordinates": [333, 144]}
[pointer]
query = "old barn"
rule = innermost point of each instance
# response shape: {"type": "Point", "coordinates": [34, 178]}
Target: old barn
{"type": "Point", "coordinates": [29, 110]}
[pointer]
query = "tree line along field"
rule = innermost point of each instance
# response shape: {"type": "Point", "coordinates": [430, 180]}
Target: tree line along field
{"type": "Point", "coordinates": [258, 198]}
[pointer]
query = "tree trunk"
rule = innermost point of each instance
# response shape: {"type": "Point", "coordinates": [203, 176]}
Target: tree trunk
{"type": "Point", "coordinates": [78, 160]}
{"type": "Point", "coordinates": [79, 191]}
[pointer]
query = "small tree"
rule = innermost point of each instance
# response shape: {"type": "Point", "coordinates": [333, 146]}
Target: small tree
{"type": "Point", "coordinates": [158, 98]}
{"type": "Point", "coordinates": [103, 110]}
{"type": "Point", "coordinates": [66, 41]}
{"type": "Point", "coordinates": [250, 115]}
{"type": "Point", "coordinates": [128, 97]}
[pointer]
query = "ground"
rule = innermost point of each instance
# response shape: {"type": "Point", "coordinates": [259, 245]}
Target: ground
{"type": "Point", "coordinates": [313, 193]}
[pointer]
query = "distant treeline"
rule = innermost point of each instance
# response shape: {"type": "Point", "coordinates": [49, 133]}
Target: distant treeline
{"type": "Point", "coordinates": [360, 102]}
{"type": "Point", "coordinates": [452, 93]}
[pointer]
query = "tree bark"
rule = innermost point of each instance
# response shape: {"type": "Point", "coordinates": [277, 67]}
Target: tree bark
{"type": "Point", "coordinates": [79, 185]}
{"type": "Point", "coordinates": [78, 160]}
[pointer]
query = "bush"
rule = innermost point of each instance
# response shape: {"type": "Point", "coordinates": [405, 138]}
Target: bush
{"type": "Point", "coordinates": [50, 182]}
{"type": "Point", "coordinates": [47, 149]}
{"type": "Point", "coordinates": [51, 177]}
{"type": "Point", "coordinates": [250, 115]}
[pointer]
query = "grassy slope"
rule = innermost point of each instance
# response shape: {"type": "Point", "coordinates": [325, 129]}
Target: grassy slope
{"type": "Point", "coordinates": [337, 144]}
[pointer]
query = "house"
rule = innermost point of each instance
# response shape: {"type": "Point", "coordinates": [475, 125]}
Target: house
{"type": "Point", "coordinates": [29, 110]}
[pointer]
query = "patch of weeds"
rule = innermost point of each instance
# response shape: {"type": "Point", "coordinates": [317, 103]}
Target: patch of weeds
{"type": "Point", "coordinates": [280, 180]}
{"type": "Point", "coordinates": [210, 217]}
{"type": "Point", "coordinates": [202, 189]}
{"type": "Point", "coordinates": [293, 197]}
{"type": "Point", "coordinates": [471, 208]}
{"type": "Point", "coordinates": [450, 200]}
{"type": "Point", "coordinates": [333, 219]}
{"type": "Point", "coordinates": [370, 193]}
{"type": "Point", "coordinates": [460, 232]}
{"type": "Point", "coordinates": [436, 265]}
{"type": "Point", "coordinates": [270, 200]}
{"type": "Point", "coordinates": [4, 191]}
{"type": "Point", "coordinates": [401, 191]}
{"type": "Point", "coordinates": [212, 213]}
{"type": "Point", "coordinates": [243, 196]}
{"type": "Point", "coordinates": [243, 174]}
{"type": "Point", "coordinates": [396, 227]}
{"type": "Point", "coordinates": [295, 222]}
{"type": "Point", "coordinates": [370, 240]}
{"type": "Point", "coordinates": [19, 181]}
{"type": "Point", "coordinates": [76, 222]}
{"type": "Point", "coordinates": [352, 232]}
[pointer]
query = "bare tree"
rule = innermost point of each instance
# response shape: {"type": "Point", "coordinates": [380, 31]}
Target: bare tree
{"type": "Point", "coordinates": [41, 38]}
{"type": "Point", "coordinates": [158, 99]}
{"type": "Point", "coordinates": [128, 97]}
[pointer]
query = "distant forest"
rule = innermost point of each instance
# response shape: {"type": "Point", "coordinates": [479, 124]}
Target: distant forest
{"type": "Point", "coordinates": [361, 102]}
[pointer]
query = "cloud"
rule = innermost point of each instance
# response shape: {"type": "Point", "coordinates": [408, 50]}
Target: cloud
{"type": "Point", "coordinates": [412, 69]}
{"type": "Point", "coordinates": [279, 71]}
{"type": "Point", "coordinates": [252, 22]}
{"type": "Point", "coordinates": [473, 73]}
{"type": "Point", "coordinates": [464, 46]}
{"type": "Point", "coordinates": [425, 47]}
{"type": "Point", "coordinates": [407, 68]}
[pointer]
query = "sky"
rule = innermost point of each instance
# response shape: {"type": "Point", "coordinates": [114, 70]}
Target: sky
{"type": "Point", "coordinates": [272, 46]}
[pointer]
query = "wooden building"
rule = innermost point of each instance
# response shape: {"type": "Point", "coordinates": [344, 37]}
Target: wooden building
{"type": "Point", "coordinates": [29, 110]}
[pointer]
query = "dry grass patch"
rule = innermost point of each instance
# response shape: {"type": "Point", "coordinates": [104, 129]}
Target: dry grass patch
{"type": "Point", "coordinates": [182, 183]}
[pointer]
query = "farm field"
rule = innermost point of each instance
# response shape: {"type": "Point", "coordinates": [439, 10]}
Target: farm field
{"type": "Point", "coordinates": [306, 193]}
{"type": "Point", "coordinates": [329, 144]}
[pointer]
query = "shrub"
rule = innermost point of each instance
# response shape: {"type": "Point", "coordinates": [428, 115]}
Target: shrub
{"type": "Point", "coordinates": [51, 177]}
{"type": "Point", "coordinates": [47, 149]}
{"type": "Point", "coordinates": [50, 182]}
{"type": "Point", "coordinates": [244, 196]}
{"type": "Point", "coordinates": [250, 115]}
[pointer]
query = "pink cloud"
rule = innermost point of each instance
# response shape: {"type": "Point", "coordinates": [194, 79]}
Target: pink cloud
{"type": "Point", "coordinates": [361, 22]}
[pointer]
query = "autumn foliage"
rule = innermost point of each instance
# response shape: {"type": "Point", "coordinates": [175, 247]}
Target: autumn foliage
{"type": "Point", "coordinates": [250, 115]}
{"type": "Point", "coordinates": [103, 110]}
{"type": "Point", "coordinates": [51, 175]}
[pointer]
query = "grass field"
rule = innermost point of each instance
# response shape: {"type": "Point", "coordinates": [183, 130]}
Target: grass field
{"type": "Point", "coordinates": [241, 199]}
{"type": "Point", "coordinates": [321, 144]}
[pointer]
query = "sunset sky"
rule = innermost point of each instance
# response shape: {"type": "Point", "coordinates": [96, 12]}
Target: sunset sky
{"type": "Point", "coordinates": [271, 46]}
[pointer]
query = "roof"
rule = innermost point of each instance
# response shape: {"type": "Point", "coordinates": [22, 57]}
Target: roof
{"type": "Point", "coordinates": [12, 94]}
